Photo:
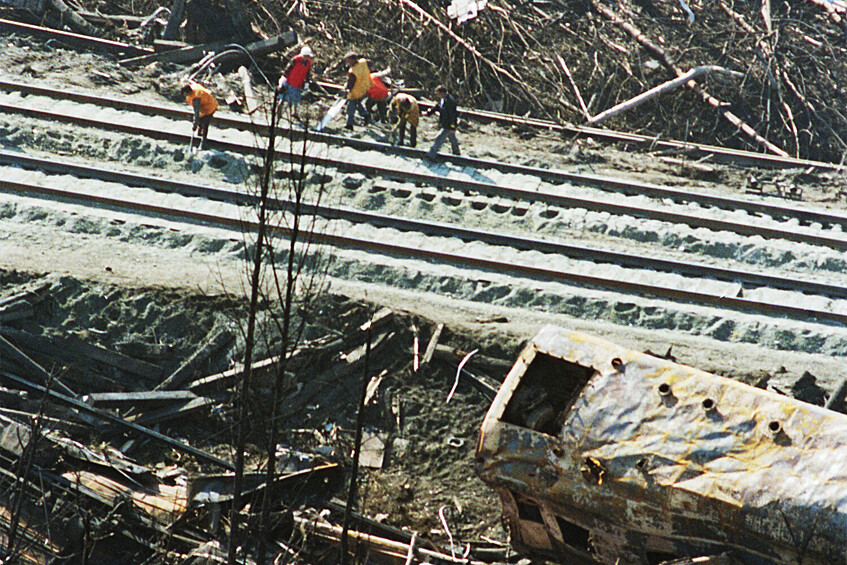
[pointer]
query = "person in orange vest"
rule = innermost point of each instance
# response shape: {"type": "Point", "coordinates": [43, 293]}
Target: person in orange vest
{"type": "Point", "coordinates": [204, 105]}
{"type": "Point", "coordinates": [378, 94]}
{"type": "Point", "coordinates": [358, 84]}
{"type": "Point", "coordinates": [405, 106]}
{"type": "Point", "coordinates": [295, 78]}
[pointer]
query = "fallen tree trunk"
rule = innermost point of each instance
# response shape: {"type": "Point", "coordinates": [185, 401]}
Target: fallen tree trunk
{"type": "Point", "coordinates": [658, 91]}
{"type": "Point", "coordinates": [667, 62]}
{"type": "Point", "coordinates": [73, 20]}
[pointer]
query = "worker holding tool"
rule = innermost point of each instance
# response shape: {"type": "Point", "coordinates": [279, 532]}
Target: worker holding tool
{"type": "Point", "coordinates": [405, 106]}
{"type": "Point", "coordinates": [358, 83]}
{"type": "Point", "coordinates": [448, 119]}
{"type": "Point", "coordinates": [204, 105]}
{"type": "Point", "coordinates": [294, 80]}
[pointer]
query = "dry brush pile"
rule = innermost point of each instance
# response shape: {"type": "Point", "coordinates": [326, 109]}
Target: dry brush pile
{"type": "Point", "coordinates": [572, 59]}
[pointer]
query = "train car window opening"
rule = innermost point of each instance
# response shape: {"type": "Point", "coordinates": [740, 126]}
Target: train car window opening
{"type": "Point", "coordinates": [573, 535]}
{"type": "Point", "coordinates": [530, 512]}
{"type": "Point", "coordinates": [546, 392]}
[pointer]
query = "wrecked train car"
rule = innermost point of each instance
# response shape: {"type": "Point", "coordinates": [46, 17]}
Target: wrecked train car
{"type": "Point", "coordinates": [605, 455]}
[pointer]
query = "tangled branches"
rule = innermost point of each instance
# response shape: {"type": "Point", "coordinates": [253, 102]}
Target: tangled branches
{"type": "Point", "coordinates": [517, 55]}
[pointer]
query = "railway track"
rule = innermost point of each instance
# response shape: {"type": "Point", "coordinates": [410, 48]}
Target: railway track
{"type": "Point", "coordinates": [749, 279]}
{"type": "Point", "coordinates": [549, 188]}
{"type": "Point", "coordinates": [553, 176]}
{"type": "Point", "coordinates": [785, 212]}
{"type": "Point", "coordinates": [236, 223]}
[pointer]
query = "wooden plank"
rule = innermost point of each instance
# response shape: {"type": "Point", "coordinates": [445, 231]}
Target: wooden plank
{"type": "Point", "coordinates": [262, 370]}
{"type": "Point", "coordinates": [250, 102]}
{"type": "Point", "coordinates": [151, 417]}
{"type": "Point", "coordinates": [433, 341]}
{"type": "Point", "coordinates": [32, 295]}
{"type": "Point", "coordinates": [175, 20]}
{"type": "Point", "coordinates": [372, 452]}
{"type": "Point", "coordinates": [72, 39]}
{"type": "Point", "coordinates": [9, 351]}
{"type": "Point", "coordinates": [16, 311]}
{"type": "Point", "coordinates": [160, 45]}
{"type": "Point", "coordinates": [141, 400]}
{"type": "Point", "coordinates": [219, 340]}
{"type": "Point", "coordinates": [55, 345]}
{"type": "Point", "coordinates": [164, 503]}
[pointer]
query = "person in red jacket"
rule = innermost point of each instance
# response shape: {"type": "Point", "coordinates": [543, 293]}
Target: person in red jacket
{"type": "Point", "coordinates": [378, 94]}
{"type": "Point", "coordinates": [295, 78]}
{"type": "Point", "coordinates": [204, 105]}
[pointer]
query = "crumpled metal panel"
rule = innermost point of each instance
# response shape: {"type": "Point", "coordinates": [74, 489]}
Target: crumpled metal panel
{"type": "Point", "coordinates": [684, 461]}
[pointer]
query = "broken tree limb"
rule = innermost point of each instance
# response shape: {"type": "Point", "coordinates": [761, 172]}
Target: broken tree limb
{"type": "Point", "coordinates": [567, 71]}
{"type": "Point", "coordinates": [668, 63]}
{"type": "Point", "coordinates": [361, 542]}
{"type": "Point", "coordinates": [672, 84]}
{"type": "Point", "coordinates": [174, 20]}
{"type": "Point", "coordinates": [490, 364]}
{"type": "Point", "coordinates": [250, 102]}
{"type": "Point", "coordinates": [73, 20]}
{"type": "Point", "coordinates": [262, 371]}
{"type": "Point", "coordinates": [433, 342]}
{"type": "Point", "coordinates": [494, 66]}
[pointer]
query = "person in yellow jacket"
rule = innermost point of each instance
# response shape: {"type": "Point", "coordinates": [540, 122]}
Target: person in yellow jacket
{"type": "Point", "coordinates": [204, 105]}
{"type": "Point", "coordinates": [405, 106]}
{"type": "Point", "coordinates": [358, 83]}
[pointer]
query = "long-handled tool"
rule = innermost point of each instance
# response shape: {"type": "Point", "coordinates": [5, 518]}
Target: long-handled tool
{"type": "Point", "coordinates": [333, 111]}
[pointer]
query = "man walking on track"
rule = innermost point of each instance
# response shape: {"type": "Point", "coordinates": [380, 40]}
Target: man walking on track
{"type": "Point", "coordinates": [204, 106]}
{"type": "Point", "coordinates": [448, 118]}
{"type": "Point", "coordinates": [358, 84]}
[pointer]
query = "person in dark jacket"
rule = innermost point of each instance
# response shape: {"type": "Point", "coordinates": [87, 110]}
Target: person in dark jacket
{"type": "Point", "coordinates": [448, 119]}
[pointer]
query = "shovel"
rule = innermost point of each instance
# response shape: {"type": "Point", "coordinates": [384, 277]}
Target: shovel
{"type": "Point", "coordinates": [191, 143]}
{"type": "Point", "coordinates": [333, 111]}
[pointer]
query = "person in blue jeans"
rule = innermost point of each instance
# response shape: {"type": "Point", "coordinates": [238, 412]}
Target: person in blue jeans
{"type": "Point", "coordinates": [448, 119]}
{"type": "Point", "coordinates": [358, 83]}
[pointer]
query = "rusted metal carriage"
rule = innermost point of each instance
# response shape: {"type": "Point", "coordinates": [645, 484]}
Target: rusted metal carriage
{"type": "Point", "coordinates": [601, 454]}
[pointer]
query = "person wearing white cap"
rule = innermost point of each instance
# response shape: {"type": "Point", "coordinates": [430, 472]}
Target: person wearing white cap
{"type": "Point", "coordinates": [295, 78]}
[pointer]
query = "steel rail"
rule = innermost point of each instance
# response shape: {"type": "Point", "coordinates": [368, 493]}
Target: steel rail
{"type": "Point", "coordinates": [556, 176]}
{"type": "Point", "coordinates": [405, 251]}
{"type": "Point", "coordinates": [597, 255]}
{"type": "Point", "coordinates": [73, 39]}
{"type": "Point", "coordinates": [468, 185]}
{"type": "Point", "coordinates": [721, 154]}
